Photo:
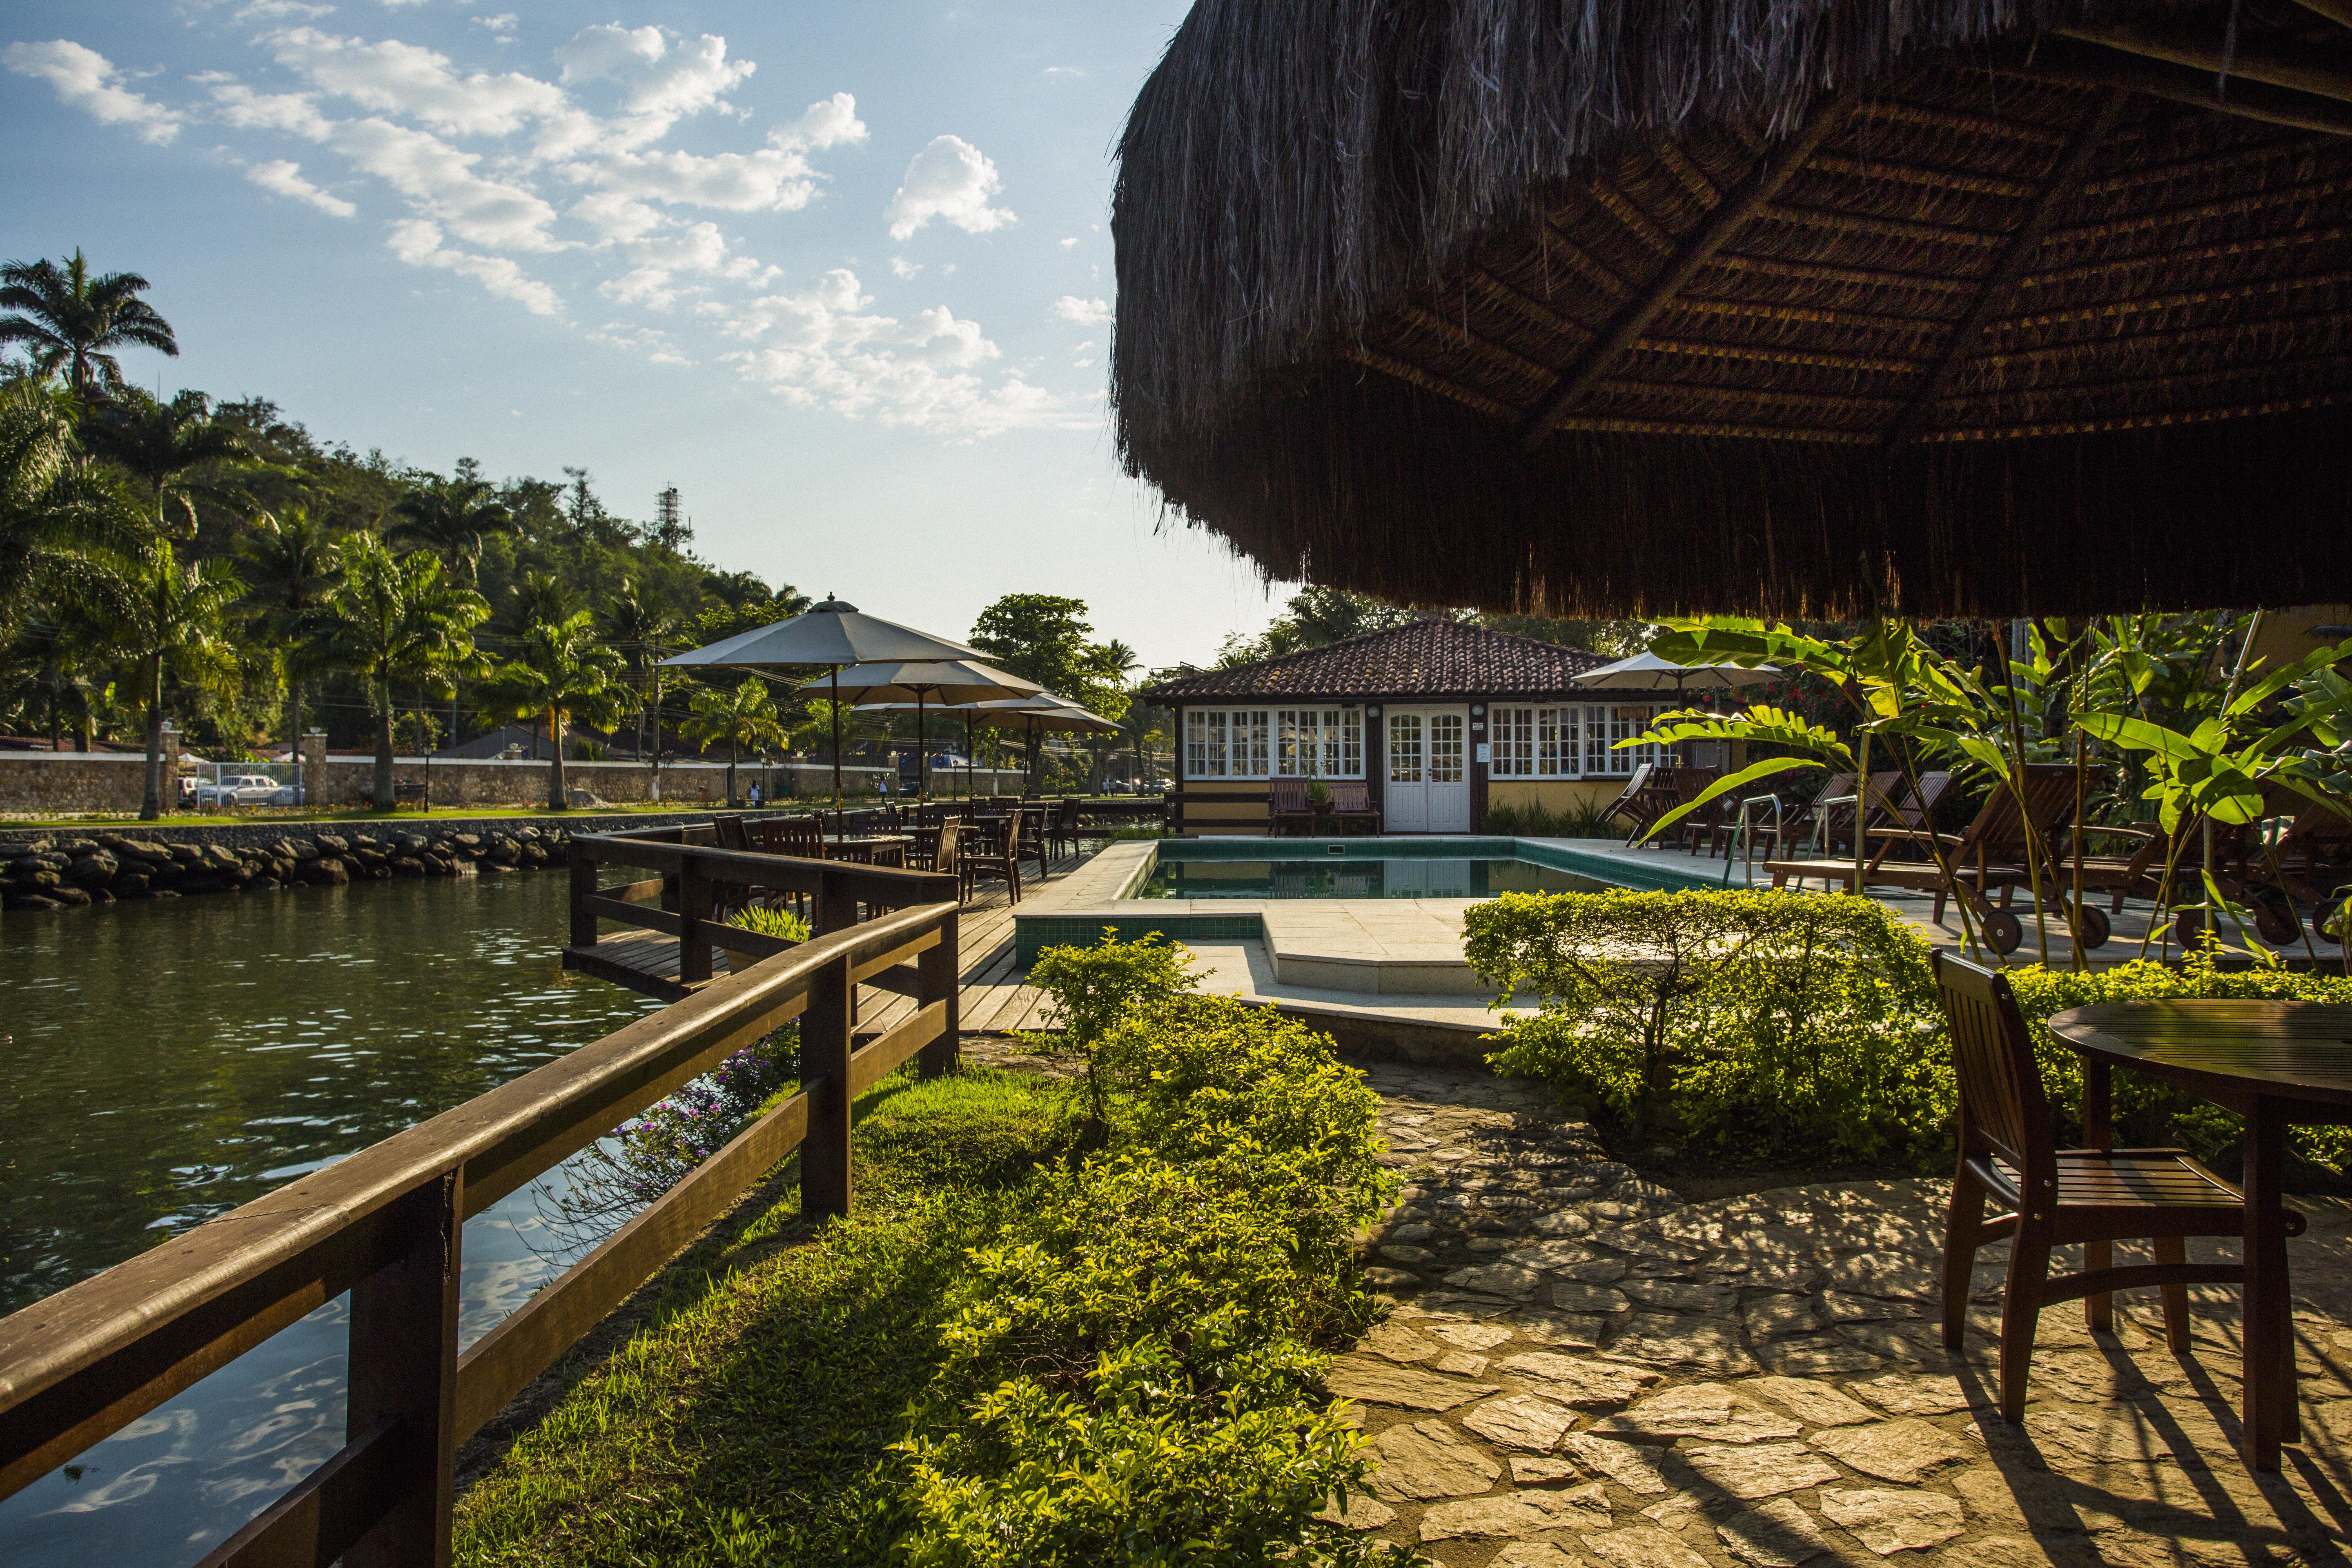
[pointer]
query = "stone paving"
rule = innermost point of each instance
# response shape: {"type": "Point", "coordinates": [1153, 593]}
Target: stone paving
{"type": "Point", "coordinates": [1583, 1371]}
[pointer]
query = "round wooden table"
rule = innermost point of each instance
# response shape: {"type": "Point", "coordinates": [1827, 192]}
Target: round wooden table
{"type": "Point", "coordinates": [2275, 1064]}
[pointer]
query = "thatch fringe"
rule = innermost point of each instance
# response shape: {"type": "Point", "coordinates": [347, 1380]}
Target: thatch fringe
{"type": "Point", "coordinates": [1291, 170]}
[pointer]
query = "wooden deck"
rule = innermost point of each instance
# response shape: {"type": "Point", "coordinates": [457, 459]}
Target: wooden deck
{"type": "Point", "coordinates": [994, 998]}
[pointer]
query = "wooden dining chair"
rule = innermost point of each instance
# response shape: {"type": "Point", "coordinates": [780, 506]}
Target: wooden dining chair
{"type": "Point", "coordinates": [2051, 1197]}
{"type": "Point", "coordinates": [731, 834]}
{"type": "Point", "coordinates": [1065, 829]}
{"type": "Point", "coordinates": [948, 860]}
{"type": "Point", "coordinates": [1001, 859]}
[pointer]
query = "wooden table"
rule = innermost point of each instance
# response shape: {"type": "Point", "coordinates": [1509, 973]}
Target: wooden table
{"type": "Point", "coordinates": [2275, 1064]}
{"type": "Point", "coordinates": [870, 849]}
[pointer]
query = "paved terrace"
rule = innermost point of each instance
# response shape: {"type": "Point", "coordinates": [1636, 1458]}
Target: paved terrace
{"type": "Point", "coordinates": [1585, 1370]}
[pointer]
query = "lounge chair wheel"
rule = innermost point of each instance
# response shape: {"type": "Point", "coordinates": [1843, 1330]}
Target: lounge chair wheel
{"type": "Point", "coordinates": [2189, 929]}
{"type": "Point", "coordinates": [2275, 921]}
{"type": "Point", "coordinates": [2095, 925]}
{"type": "Point", "coordinates": [2002, 931]}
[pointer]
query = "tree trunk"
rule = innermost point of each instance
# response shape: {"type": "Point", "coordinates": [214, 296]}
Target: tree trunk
{"type": "Point", "coordinates": [734, 755]}
{"type": "Point", "coordinates": [150, 803]}
{"type": "Point", "coordinates": [386, 797]}
{"type": "Point", "coordinates": [558, 797]}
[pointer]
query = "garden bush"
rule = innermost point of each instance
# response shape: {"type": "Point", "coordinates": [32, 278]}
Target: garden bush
{"type": "Point", "coordinates": [1132, 1362]}
{"type": "Point", "coordinates": [1583, 819]}
{"type": "Point", "coordinates": [1798, 1025]}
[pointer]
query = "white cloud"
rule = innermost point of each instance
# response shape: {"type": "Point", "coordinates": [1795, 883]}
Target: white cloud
{"type": "Point", "coordinates": [827, 122]}
{"type": "Point", "coordinates": [1086, 313]}
{"type": "Point", "coordinates": [820, 346]}
{"type": "Point", "coordinates": [500, 26]}
{"type": "Point", "coordinates": [950, 179]}
{"type": "Point", "coordinates": [701, 250]}
{"type": "Point", "coordinates": [902, 269]}
{"type": "Point", "coordinates": [663, 78]}
{"type": "Point", "coordinates": [418, 242]}
{"type": "Point", "coordinates": [278, 11]}
{"type": "Point", "coordinates": [417, 83]}
{"type": "Point", "coordinates": [293, 112]}
{"type": "Point", "coordinates": [285, 177]}
{"type": "Point", "coordinates": [440, 180]}
{"type": "Point", "coordinates": [1069, 243]}
{"type": "Point", "coordinates": [85, 79]}
{"type": "Point", "coordinates": [778, 177]}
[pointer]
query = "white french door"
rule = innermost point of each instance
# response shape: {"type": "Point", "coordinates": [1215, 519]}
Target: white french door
{"type": "Point", "coordinates": [1428, 786]}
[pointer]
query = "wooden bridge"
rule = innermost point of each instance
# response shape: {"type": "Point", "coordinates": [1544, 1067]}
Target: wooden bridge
{"type": "Point", "coordinates": [654, 954]}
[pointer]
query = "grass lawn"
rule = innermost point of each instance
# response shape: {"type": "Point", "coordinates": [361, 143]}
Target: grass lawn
{"type": "Point", "coordinates": [745, 1417]}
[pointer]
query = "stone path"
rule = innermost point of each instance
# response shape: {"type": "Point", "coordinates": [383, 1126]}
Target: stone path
{"type": "Point", "coordinates": [1584, 1371]}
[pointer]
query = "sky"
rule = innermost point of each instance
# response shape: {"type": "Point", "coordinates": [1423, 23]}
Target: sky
{"type": "Point", "coordinates": [841, 273]}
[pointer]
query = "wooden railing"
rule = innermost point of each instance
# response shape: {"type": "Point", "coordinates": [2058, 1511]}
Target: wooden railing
{"type": "Point", "coordinates": [696, 881]}
{"type": "Point", "coordinates": [386, 1225]}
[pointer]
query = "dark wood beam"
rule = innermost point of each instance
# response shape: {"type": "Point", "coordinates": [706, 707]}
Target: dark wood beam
{"type": "Point", "coordinates": [2201, 48]}
{"type": "Point", "coordinates": [2082, 65]}
{"type": "Point", "coordinates": [2001, 285]}
{"type": "Point", "coordinates": [1712, 235]}
{"type": "Point", "coordinates": [2336, 11]}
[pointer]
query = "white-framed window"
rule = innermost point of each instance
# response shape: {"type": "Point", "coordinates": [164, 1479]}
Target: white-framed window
{"type": "Point", "coordinates": [1536, 743]}
{"type": "Point", "coordinates": [1604, 728]}
{"type": "Point", "coordinates": [1274, 743]}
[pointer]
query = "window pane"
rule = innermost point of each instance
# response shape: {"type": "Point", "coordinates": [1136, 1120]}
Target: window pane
{"type": "Point", "coordinates": [1251, 750]}
{"type": "Point", "coordinates": [1404, 748]}
{"type": "Point", "coordinates": [1216, 768]}
{"type": "Point", "coordinates": [1285, 743]}
{"type": "Point", "coordinates": [1351, 744]}
{"type": "Point", "coordinates": [1445, 748]}
{"type": "Point", "coordinates": [1196, 743]}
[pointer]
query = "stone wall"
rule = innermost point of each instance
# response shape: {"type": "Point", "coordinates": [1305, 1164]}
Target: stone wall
{"type": "Point", "coordinates": [98, 782]}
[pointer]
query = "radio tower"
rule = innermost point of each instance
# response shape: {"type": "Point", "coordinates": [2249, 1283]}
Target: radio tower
{"type": "Point", "coordinates": [671, 530]}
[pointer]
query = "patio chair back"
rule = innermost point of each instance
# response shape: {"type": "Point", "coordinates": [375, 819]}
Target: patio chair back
{"type": "Point", "coordinates": [948, 860]}
{"type": "Point", "coordinates": [801, 836]}
{"type": "Point", "coordinates": [1920, 808]}
{"type": "Point", "coordinates": [1285, 795]}
{"type": "Point", "coordinates": [731, 834]}
{"type": "Point", "coordinates": [2003, 1110]}
{"type": "Point", "coordinates": [1998, 834]}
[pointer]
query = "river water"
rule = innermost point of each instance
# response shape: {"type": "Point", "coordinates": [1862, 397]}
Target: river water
{"type": "Point", "coordinates": [167, 1061]}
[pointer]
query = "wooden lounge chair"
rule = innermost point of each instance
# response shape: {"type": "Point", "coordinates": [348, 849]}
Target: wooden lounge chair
{"type": "Point", "coordinates": [1632, 806]}
{"type": "Point", "coordinates": [1286, 806]}
{"type": "Point", "coordinates": [1352, 805]}
{"type": "Point", "coordinates": [1990, 854]}
{"type": "Point", "coordinates": [2309, 865]}
{"type": "Point", "coordinates": [2094, 1196]}
{"type": "Point", "coordinates": [997, 855]}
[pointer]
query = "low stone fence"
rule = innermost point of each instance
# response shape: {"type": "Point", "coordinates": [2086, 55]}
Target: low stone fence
{"type": "Point", "coordinates": [49, 872]}
{"type": "Point", "coordinates": [97, 783]}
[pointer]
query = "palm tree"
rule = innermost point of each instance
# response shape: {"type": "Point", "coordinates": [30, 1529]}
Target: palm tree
{"type": "Point", "coordinates": [53, 505]}
{"type": "Point", "coordinates": [538, 599]}
{"type": "Point", "coordinates": [174, 448]}
{"type": "Point", "coordinates": [645, 634]}
{"type": "Point", "coordinates": [450, 518]}
{"type": "Point", "coordinates": [393, 618]}
{"type": "Point", "coordinates": [744, 717]}
{"type": "Point", "coordinates": [169, 620]}
{"type": "Point", "coordinates": [560, 672]}
{"type": "Point", "coordinates": [292, 566]}
{"type": "Point", "coordinates": [71, 318]}
{"type": "Point", "coordinates": [47, 671]}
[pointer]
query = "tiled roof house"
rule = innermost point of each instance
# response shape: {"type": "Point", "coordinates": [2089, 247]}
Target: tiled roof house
{"type": "Point", "coordinates": [1441, 720]}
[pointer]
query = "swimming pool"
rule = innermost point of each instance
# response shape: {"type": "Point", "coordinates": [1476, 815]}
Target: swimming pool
{"type": "Point", "coordinates": [1358, 876]}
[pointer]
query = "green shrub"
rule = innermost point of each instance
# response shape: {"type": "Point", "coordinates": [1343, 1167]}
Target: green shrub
{"type": "Point", "coordinates": [1771, 1021]}
{"type": "Point", "coordinates": [1807, 1027]}
{"type": "Point", "coordinates": [1582, 819]}
{"type": "Point", "coordinates": [780, 923]}
{"type": "Point", "coordinates": [1088, 990]}
{"type": "Point", "coordinates": [1130, 1363]}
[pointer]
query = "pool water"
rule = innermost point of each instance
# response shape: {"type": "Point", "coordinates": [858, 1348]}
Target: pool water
{"type": "Point", "coordinates": [1358, 876]}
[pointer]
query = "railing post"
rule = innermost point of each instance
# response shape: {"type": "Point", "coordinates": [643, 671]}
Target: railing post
{"type": "Point", "coordinates": [693, 909]}
{"type": "Point", "coordinates": [825, 1070]}
{"type": "Point", "coordinates": [940, 970]}
{"type": "Point", "coordinates": [584, 888]}
{"type": "Point", "coordinates": [403, 1365]}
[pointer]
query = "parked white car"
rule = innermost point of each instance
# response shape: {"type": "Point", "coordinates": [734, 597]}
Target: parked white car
{"type": "Point", "coordinates": [238, 789]}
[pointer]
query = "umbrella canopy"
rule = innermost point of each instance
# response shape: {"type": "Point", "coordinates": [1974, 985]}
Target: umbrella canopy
{"type": "Point", "coordinates": [1648, 672]}
{"type": "Point", "coordinates": [1046, 711]}
{"type": "Point", "coordinates": [1808, 308]}
{"type": "Point", "coordinates": [829, 633]}
{"type": "Point", "coordinates": [932, 684]}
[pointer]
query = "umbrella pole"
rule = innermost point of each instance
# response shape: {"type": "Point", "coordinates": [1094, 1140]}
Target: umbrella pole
{"type": "Point", "coordinates": [836, 752]}
{"type": "Point", "coordinates": [967, 757]}
{"type": "Point", "coordinates": [922, 753]}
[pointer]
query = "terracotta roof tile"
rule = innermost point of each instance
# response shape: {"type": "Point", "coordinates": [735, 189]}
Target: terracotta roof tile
{"type": "Point", "coordinates": [1424, 660]}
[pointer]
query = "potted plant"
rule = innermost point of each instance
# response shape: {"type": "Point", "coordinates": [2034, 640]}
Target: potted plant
{"type": "Point", "coordinates": [1319, 800]}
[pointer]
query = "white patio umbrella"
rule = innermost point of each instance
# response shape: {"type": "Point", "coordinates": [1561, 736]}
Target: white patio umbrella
{"type": "Point", "coordinates": [928, 683]}
{"type": "Point", "coordinates": [1648, 672]}
{"type": "Point", "coordinates": [1042, 711]}
{"type": "Point", "coordinates": [827, 636]}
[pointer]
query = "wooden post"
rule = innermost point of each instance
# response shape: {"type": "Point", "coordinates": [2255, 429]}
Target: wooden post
{"type": "Point", "coordinates": [940, 971]}
{"type": "Point", "coordinates": [693, 909]}
{"type": "Point", "coordinates": [403, 1365]}
{"type": "Point", "coordinates": [2098, 1133]}
{"type": "Point", "coordinates": [584, 888]}
{"type": "Point", "coordinates": [825, 1073]}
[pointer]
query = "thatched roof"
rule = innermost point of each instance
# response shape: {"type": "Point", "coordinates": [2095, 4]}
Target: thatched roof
{"type": "Point", "coordinates": [1428, 659]}
{"type": "Point", "coordinates": [1971, 306]}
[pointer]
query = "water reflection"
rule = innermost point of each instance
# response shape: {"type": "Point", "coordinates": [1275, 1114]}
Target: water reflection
{"type": "Point", "coordinates": [171, 1060]}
